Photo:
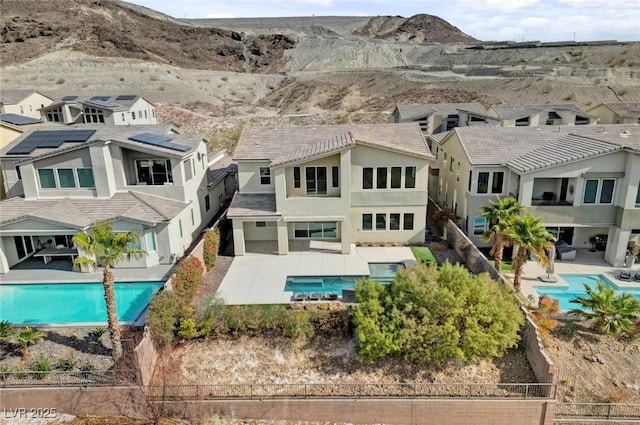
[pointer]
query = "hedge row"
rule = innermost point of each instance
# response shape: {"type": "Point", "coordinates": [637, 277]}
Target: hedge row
{"type": "Point", "coordinates": [211, 246]}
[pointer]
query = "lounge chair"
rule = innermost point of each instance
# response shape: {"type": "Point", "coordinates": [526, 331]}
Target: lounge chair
{"type": "Point", "coordinates": [567, 254]}
{"type": "Point", "coordinates": [331, 296]}
{"type": "Point", "coordinates": [300, 296]}
{"type": "Point", "coordinates": [637, 277]}
{"type": "Point", "coordinates": [315, 296]}
{"type": "Point", "coordinates": [625, 276]}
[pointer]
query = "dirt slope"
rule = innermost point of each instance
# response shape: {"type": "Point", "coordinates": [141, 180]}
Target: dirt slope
{"type": "Point", "coordinates": [418, 29]}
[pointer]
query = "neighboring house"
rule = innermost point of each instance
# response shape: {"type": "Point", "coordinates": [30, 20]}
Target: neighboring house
{"type": "Point", "coordinates": [11, 127]}
{"type": "Point", "coordinates": [23, 102]}
{"type": "Point", "coordinates": [582, 181]}
{"type": "Point", "coordinates": [145, 178]}
{"type": "Point", "coordinates": [440, 117]}
{"type": "Point", "coordinates": [617, 113]}
{"type": "Point", "coordinates": [346, 183]}
{"type": "Point", "coordinates": [124, 109]}
{"type": "Point", "coordinates": [539, 115]}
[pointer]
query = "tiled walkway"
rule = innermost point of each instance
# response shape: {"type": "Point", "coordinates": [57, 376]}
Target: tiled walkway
{"type": "Point", "coordinates": [259, 276]}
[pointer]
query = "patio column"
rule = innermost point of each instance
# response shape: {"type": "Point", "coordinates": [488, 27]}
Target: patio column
{"type": "Point", "coordinates": [238, 236]}
{"type": "Point", "coordinates": [345, 236]}
{"type": "Point", "coordinates": [283, 238]}
{"type": "Point", "coordinates": [4, 264]}
{"type": "Point", "coordinates": [617, 246]}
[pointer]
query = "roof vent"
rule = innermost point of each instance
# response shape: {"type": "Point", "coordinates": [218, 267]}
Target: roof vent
{"type": "Point", "coordinates": [625, 133]}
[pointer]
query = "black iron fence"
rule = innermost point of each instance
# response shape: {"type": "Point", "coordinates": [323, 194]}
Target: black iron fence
{"type": "Point", "coordinates": [63, 379]}
{"type": "Point", "coordinates": [619, 411]}
{"type": "Point", "coordinates": [387, 390]}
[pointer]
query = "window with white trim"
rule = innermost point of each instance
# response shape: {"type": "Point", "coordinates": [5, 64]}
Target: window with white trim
{"type": "Point", "coordinates": [265, 175]}
{"type": "Point", "coordinates": [154, 172]}
{"type": "Point", "coordinates": [599, 191]}
{"type": "Point", "coordinates": [265, 224]}
{"type": "Point", "coordinates": [479, 225]}
{"type": "Point", "coordinates": [316, 180]}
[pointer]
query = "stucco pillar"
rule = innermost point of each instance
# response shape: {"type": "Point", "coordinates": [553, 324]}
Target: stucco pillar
{"type": "Point", "coordinates": [283, 238]}
{"type": "Point", "coordinates": [346, 235]}
{"type": "Point", "coordinates": [526, 190]}
{"type": "Point", "coordinates": [238, 236]}
{"type": "Point", "coordinates": [617, 242]}
{"type": "Point", "coordinates": [103, 174]}
{"type": "Point", "coordinates": [4, 264]}
{"type": "Point", "coordinates": [29, 181]}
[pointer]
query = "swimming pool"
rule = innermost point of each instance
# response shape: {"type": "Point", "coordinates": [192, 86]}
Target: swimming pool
{"type": "Point", "coordinates": [576, 288]}
{"type": "Point", "coordinates": [72, 303]}
{"type": "Point", "coordinates": [380, 272]}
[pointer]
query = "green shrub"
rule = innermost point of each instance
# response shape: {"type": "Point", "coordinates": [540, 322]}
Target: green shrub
{"type": "Point", "coordinates": [162, 317]}
{"type": "Point", "coordinates": [211, 246]}
{"type": "Point", "coordinates": [20, 372]}
{"type": "Point", "coordinates": [67, 363]}
{"type": "Point", "coordinates": [187, 279]}
{"type": "Point", "coordinates": [97, 332]}
{"type": "Point", "coordinates": [6, 330]}
{"type": "Point", "coordinates": [4, 372]}
{"type": "Point", "coordinates": [299, 326]}
{"type": "Point", "coordinates": [87, 367]}
{"type": "Point", "coordinates": [42, 366]}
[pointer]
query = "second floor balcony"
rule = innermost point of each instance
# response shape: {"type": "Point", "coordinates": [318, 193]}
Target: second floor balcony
{"type": "Point", "coordinates": [553, 192]}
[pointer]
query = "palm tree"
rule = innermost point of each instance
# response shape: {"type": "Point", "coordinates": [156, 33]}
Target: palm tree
{"type": "Point", "coordinates": [106, 247]}
{"type": "Point", "coordinates": [529, 235]}
{"type": "Point", "coordinates": [27, 337]}
{"type": "Point", "coordinates": [612, 311]}
{"type": "Point", "coordinates": [499, 215]}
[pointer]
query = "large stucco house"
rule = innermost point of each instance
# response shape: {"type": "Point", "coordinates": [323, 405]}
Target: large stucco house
{"type": "Point", "coordinates": [27, 103]}
{"type": "Point", "coordinates": [145, 178]}
{"type": "Point", "coordinates": [539, 115]}
{"type": "Point", "coordinates": [583, 181]}
{"type": "Point", "coordinates": [123, 109]}
{"type": "Point", "coordinates": [435, 118]}
{"type": "Point", "coordinates": [617, 113]}
{"type": "Point", "coordinates": [343, 183]}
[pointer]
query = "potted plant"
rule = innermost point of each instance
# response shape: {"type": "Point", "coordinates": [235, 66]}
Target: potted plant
{"type": "Point", "coordinates": [632, 256]}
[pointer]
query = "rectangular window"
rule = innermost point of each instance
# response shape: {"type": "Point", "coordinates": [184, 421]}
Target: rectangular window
{"type": "Point", "coordinates": [133, 115]}
{"type": "Point", "coordinates": [316, 180]}
{"type": "Point", "coordinates": [367, 221]}
{"type": "Point", "coordinates": [154, 171]}
{"type": "Point", "coordinates": [638, 194]}
{"type": "Point", "coordinates": [145, 114]}
{"type": "Point", "coordinates": [207, 203]}
{"type": "Point", "coordinates": [123, 117]}
{"type": "Point", "coordinates": [590, 192]}
{"type": "Point", "coordinates": [497, 181]}
{"type": "Point", "coordinates": [193, 166]}
{"type": "Point", "coordinates": [316, 230]}
{"type": "Point", "coordinates": [66, 178]}
{"type": "Point", "coordinates": [470, 178]}
{"type": "Point", "coordinates": [606, 193]}
{"type": "Point", "coordinates": [193, 218]}
{"type": "Point", "coordinates": [367, 178]}
{"type": "Point", "coordinates": [394, 221]}
{"type": "Point", "coordinates": [381, 222]}
{"type": "Point", "coordinates": [296, 177]}
{"type": "Point", "coordinates": [47, 179]}
{"type": "Point", "coordinates": [85, 177]}
{"type": "Point", "coordinates": [408, 221]}
{"type": "Point", "coordinates": [18, 173]}
{"type": "Point", "coordinates": [150, 242]}
{"type": "Point", "coordinates": [444, 159]}
{"type": "Point", "coordinates": [458, 172]}
{"type": "Point", "coordinates": [451, 164]}
{"type": "Point", "coordinates": [265, 175]}
{"type": "Point", "coordinates": [396, 177]}
{"type": "Point", "coordinates": [381, 178]}
{"type": "Point", "coordinates": [409, 177]}
{"type": "Point", "coordinates": [335, 176]}
{"type": "Point", "coordinates": [188, 170]}
{"type": "Point", "coordinates": [479, 225]}
{"type": "Point", "coordinates": [180, 226]}
{"type": "Point", "coordinates": [140, 114]}
{"type": "Point", "coordinates": [266, 224]}
{"type": "Point", "coordinates": [483, 182]}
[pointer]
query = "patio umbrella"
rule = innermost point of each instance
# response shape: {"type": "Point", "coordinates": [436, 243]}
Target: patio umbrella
{"type": "Point", "coordinates": [551, 252]}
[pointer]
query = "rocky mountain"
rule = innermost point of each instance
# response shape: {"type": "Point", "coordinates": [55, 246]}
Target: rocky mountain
{"type": "Point", "coordinates": [417, 29]}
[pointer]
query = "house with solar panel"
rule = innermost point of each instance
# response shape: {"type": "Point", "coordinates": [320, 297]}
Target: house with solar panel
{"type": "Point", "coordinates": [147, 178]}
{"type": "Point", "coordinates": [124, 109]}
{"type": "Point", "coordinates": [27, 103]}
{"type": "Point", "coordinates": [339, 183]}
{"type": "Point", "coordinates": [582, 181]}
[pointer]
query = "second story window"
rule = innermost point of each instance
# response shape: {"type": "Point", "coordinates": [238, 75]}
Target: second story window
{"type": "Point", "coordinates": [483, 182]}
{"type": "Point", "coordinates": [47, 178]}
{"type": "Point", "coordinates": [154, 171]}
{"type": "Point", "coordinates": [296, 177]}
{"type": "Point", "coordinates": [367, 178]}
{"type": "Point", "coordinates": [92, 115]}
{"type": "Point", "coordinates": [497, 182]}
{"type": "Point", "coordinates": [65, 178]}
{"type": "Point", "coordinates": [54, 115]}
{"type": "Point", "coordinates": [381, 182]}
{"type": "Point", "coordinates": [265, 175]}
{"type": "Point", "coordinates": [316, 180]}
{"type": "Point", "coordinates": [599, 191]}
{"type": "Point", "coordinates": [409, 177]}
{"type": "Point", "coordinates": [335, 176]}
{"type": "Point", "coordinates": [638, 195]}
{"type": "Point", "coordinates": [396, 177]}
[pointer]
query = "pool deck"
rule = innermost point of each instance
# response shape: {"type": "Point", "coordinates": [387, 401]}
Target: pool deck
{"type": "Point", "coordinates": [259, 276]}
{"type": "Point", "coordinates": [586, 262]}
{"type": "Point", "coordinates": [155, 273]}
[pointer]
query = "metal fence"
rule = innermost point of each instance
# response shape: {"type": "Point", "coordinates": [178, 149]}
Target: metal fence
{"type": "Point", "coordinates": [387, 390]}
{"type": "Point", "coordinates": [63, 379]}
{"type": "Point", "coordinates": [620, 411]}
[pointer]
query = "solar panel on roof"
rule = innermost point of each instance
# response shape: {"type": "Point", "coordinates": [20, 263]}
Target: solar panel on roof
{"type": "Point", "coordinates": [16, 119]}
{"type": "Point", "coordinates": [126, 97]}
{"type": "Point", "coordinates": [103, 103]}
{"type": "Point", "coordinates": [70, 98]}
{"type": "Point", "coordinates": [159, 141]}
{"type": "Point", "coordinates": [102, 98]}
{"type": "Point", "coordinates": [80, 135]}
{"type": "Point", "coordinates": [49, 139]}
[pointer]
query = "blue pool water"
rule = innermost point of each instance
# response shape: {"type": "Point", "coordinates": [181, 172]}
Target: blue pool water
{"type": "Point", "coordinates": [72, 303]}
{"type": "Point", "coordinates": [380, 272]}
{"type": "Point", "coordinates": [576, 288]}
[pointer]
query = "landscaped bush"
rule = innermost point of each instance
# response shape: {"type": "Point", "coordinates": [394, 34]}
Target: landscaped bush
{"type": "Point", "coordinates": [187, 279]}
{"type": "Point", "coordinates": [163, 313]}
{"type": "Point", "coordinates": [67, 363]}
{"type": "Point", "coordinates": [428, 315]}
{"type": "Point", "coordinates": [546, 306]}
{"type": "Point", "coordinates": [42, 366]}
{"type": "Point", "coordinates": [211, 246]}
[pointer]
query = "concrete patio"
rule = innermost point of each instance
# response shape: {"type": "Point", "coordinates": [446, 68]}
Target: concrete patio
{"type": "Point", "coordinates": [259, 276]}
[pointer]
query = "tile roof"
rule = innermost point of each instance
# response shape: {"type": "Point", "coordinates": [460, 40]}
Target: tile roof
{"type": "Point", "coordinates": [117, 104]}
{"type": "Point", "coordinates": [511, 112]}
{"type": "Point", "coordinates": [335, 144]}
{"type": "Point", "coordinates": [15, 96]}
{"type": "Point", "coordinates": [115, 133]}
{"type": "Point", "coordinates": [412, 111]}
{"type": "Point", "coordinates": [220, 168]}
{"type": "Point", "coordinates": [501, 145]}
{"type": "Point", "coordinates": [269, 143]}
{"type": "Point", "coordinates": [81, 213]}
{"type": "Point", "coordinates": [628, 110]}
{"type": "Point", "coordinates": [252, 205]}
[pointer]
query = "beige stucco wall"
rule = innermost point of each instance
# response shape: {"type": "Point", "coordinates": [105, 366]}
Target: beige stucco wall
{"type": "Point", "coordinates": [249, 177]}
{"type": "Point", "coordinates": [29, 106]}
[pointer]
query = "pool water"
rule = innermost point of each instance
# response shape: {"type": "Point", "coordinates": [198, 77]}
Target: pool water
{"type": "Point", "coordinates": [380, 272]}
{"type": "Point", "coordinates": [576, 288]}
{"type": "Point", "coordinates": [72, 303]}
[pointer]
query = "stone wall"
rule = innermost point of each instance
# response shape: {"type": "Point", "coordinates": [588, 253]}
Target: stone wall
{"type": "Point", "coordinates": [146, 357]}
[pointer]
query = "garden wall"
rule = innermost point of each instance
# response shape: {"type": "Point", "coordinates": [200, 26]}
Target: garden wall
{"type": "Point", "coordinates": [395, 411]}
{"type": "Point", "coordinates": [476, 262]}
{"type": "Point", "coordinates": [146, 357]}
